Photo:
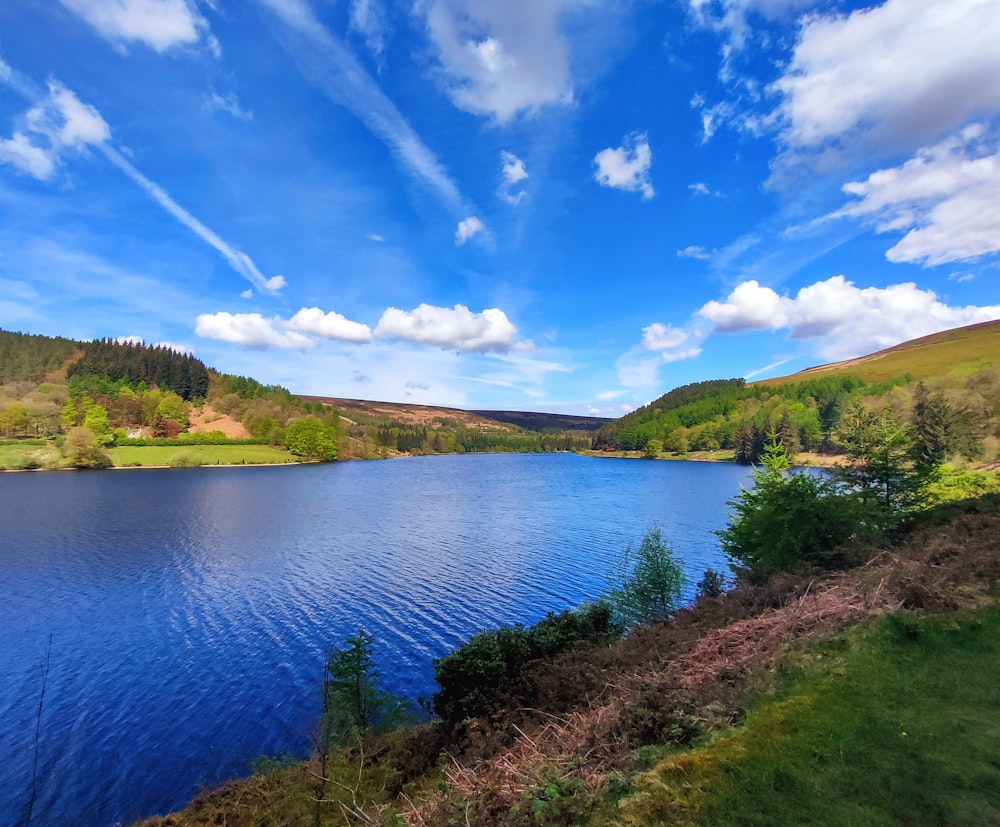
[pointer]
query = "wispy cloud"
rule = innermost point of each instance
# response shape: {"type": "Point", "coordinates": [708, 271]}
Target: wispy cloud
{"type": "Point", "coordinates": [513, 173]}
{"type": "Point", "coordinates": [238, 260]}
{"type": "Point", "coordinates": [331, 66]}
{"type": "Point", "coordinates": [214, 102]}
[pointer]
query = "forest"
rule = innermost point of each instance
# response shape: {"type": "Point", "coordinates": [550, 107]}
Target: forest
{"type": "Point", "coordinates": [96, 404]}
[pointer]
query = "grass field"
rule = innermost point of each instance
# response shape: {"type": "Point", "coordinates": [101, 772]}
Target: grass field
{"type": "Point", "coordinates": [190, 455]}
{"type": "Point", "coordinates": [895, 723]}
{"type": "Point", "coordinates": [23, 454]}
{"type": "Point", "coordinates": [960, 352]}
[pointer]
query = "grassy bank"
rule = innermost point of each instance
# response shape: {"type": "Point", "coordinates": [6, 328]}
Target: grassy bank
{"type": "Point", "coordinates": [860, 697]}
{"type": "Point", "coordinates": [192, 455]}
{"type": "Point", "coordinates": [896, 722]}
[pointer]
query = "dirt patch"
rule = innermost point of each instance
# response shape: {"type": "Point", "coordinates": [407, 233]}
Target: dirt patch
{"type": "Point", "coordinates": [210, 420]}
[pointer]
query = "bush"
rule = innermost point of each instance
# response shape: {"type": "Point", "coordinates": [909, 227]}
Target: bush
{"type": "Point", "coordinates": [484, 672]}
{"type": "Point", "coordinates": [712, 584]}
{"type": "Point", "coordinates": [645, 584]}
{"type": "Point", "coordinates": [184, 459]}
{"type": "Point", "coordinates": [788, 522]}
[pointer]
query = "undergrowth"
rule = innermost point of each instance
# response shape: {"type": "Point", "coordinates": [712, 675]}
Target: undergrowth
{"type": "Point", "coordinates": [895, 722]}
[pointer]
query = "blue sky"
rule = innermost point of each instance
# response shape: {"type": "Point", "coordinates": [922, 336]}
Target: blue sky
{"type": "Point", "coordinates": [558, 205]}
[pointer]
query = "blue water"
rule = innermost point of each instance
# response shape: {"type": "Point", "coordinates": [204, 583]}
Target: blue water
{"type": "Point", "coordinates": [190, 611]}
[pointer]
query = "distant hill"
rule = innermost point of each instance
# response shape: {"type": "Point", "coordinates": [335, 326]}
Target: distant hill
{"type": "Point", "coordinates": [733, 417]}
{"type": "Point", "coordinates": [433, 415]}
{"type": "Point", "coordinates": [957, 352]}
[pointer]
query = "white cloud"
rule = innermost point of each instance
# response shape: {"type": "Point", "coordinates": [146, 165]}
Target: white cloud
{"type": "Point", "coordinates": [375, 237]}
{"type": "Point", "coordinates": [513, 172]}
{"type": "Point", "coordinates": [160, 24]}
{"type": "Point", "coordinates": [455, 328]}
{"type": "Point", "coordinates": [847, 321]}
{"type": "Point", "coordinates": [250, 330]}
{"type": "Point", "coordinates": [701, 188]}
{"type": "Point", "coordinates": [215, 102]}
{"type": "Point", "coordinates": [661, 344]}
{"type": "Point", "coordinates": [944, 198]}
{"type": "Point", "coordinates": [368, 19]}
{"type": "Point", "coordinates": [662, 337]}
{"type": "Point", "coordinates": [329, 325]}
{"type": "Point", "coordinates": [889, 77]}
{"type": "Point", "coordinates": [59, 123]}
{"type": "Point", "coordinates": [693, 251]}
{"type": "Point", "coordinates": [627, 167]}
{"type": "Point", "coordinates": [329, 65]}
{"type": "Point", "coordinates": [501, 58]}
{"type": "Point", "coordinates": [19, 151]}
{"type": "Point", "coordinates": [275, 283]}
{"type": "Point", "coordinates": [467, 228]}
{"type": "Point", "coordinates": [247, 294]}
{"type": "Point", "coordinates": [238, 260]}
{"type": "Point", "coordinates": [731, 18]}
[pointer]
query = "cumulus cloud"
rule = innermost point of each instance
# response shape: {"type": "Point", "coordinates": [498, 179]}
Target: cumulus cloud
{"type": "Point", "coordinates": [456, 328]}
{"type": "Point", "coordinates": [501, 58]}
{"type": "Point", "coordinates": [840, 90]}
{"type": "Point", "coordinates": [56, 125]}
{"type": "Point", "coordinates": [661, 344]}
{"type": "Point", "coordinates": [467, 228]}
{"type": "Point", "coordinates": [247, 294]}
{"type": "Point", "coordinates": [251, 330]}
{"type": "Point", "coordinates": [848, 321]}
{"type": "Point", "coordinates": [513, 173]}
{"type": "Point", "coordinates": [329, 325]}
{"type": "Point", "coordinates": [160, 24]}
{"type": "Point", "coordinates": [944, 199]}
{"type": "Point", "coordinates": [627, 167]}
{"type": "Point", "coordinates": [375, 237]}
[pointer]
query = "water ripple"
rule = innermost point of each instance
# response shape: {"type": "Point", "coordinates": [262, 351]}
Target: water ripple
{"type": "Point", "coordinates": [191, 611]}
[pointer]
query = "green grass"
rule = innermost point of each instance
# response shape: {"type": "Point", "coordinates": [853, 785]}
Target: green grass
{"type": "Point", "coordinates": [960, 352]}
{"type": "Point", "coordinates": [21, 454]}
{"type": "Point", "coordinates": [894, 723]}
{"type": "Point", "coordinates": [202, 454]}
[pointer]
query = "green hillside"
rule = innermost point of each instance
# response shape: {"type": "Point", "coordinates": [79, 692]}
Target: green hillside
{"type": "Point", "coordinates": [732, 418]}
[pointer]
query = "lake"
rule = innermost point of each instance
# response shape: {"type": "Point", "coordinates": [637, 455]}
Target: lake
{"type": "Point", "coordinates": [187, 613]}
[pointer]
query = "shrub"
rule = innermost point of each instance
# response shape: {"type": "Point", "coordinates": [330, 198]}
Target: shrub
{"type": "Point", "coordinates": [788, 522]}
{"type": "Point", "coordinates": [645, 584]}
{"type": "Point", "coordinates": [184, 459]}
{"type": "Point", "coordinates": [481, 674]}
{"type": "Point", "coordinates": [712, 584]}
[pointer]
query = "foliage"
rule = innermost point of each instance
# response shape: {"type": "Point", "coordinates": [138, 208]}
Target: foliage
{"type": "Point", "coordinates": [477, 677]}
{"type": "Point", "coordinates": [83, 450]}
{"type": "Point", "coordinates": [134, 362]}
{"type": "Point", "coordinates": [787, 521]}
{"type": "Point", "coordinates": [311, 438]}
{"type": "Point", "coordinates": [25, 356]}
{"type": "Point", "coordinates": [353, 702]}
{"type": "Point", "coordinates": [184, 459]}
{"type": "Point", "coordinates": [880, 470]}
{"type": "Point", "coordinates": [645, 583]}
{"type": "Point", "coordinates": [712, 584]}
